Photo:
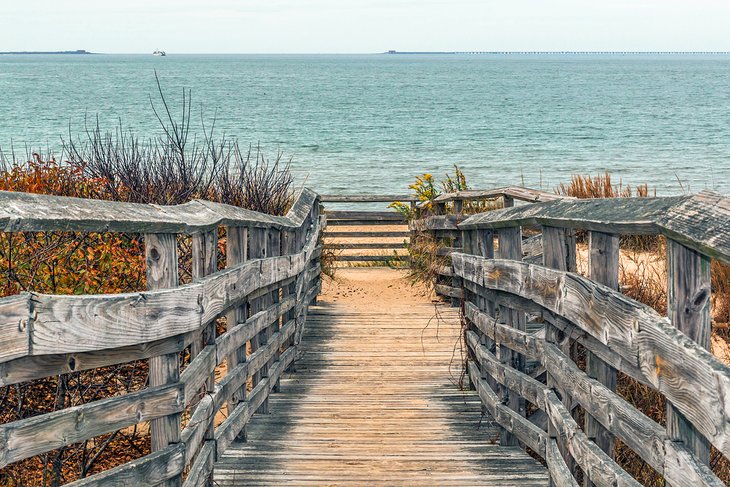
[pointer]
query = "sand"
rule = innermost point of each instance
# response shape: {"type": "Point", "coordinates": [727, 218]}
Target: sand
{"type": "Point", "coordinates": [366, 287]}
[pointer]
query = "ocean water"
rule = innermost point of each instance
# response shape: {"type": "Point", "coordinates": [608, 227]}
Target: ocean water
{"type": "Point", "coordinates": [370, 123]}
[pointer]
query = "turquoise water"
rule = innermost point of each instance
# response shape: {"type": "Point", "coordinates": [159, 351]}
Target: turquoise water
{"type": "Point", "coordinates": [372, 122]}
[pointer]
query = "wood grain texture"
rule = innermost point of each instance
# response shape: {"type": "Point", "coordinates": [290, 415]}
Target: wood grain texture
{"type": "Point", "coordinates": [603, 267]}
{"type": "Point", "coordinates": [21, 212]}
{"type": "Point", "coordinates": [68, 324]}
{"type": "Point", "coordinates": [686, 373]}
{"type": "Point", "coordinates": [27, 437]}
{"type": "Point", "coordinates": [153, 469]}
{"type": "Point", "coordinates": [15, 316]}
{"type": "Point", "coordinates": [513, 192]}
{"type": "Point", "coordinates": [162, 273]}
{"type": "Point", "coordinates": [369, 405]}
{"type": "Point", "coordinates": [700, 222]}
{"type": "Point", "coordinates": [688, 300]}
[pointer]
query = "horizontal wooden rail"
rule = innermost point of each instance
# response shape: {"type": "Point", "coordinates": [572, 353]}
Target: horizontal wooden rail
{"type": "Point", "coordinates": [21, 212]}
{"type": "Point", "coordinates": [700, 222]}
{"type": "Point", "coordinates": [272, 261]}
{"type": "Point", "coordinates": [668, 354]}
{"type": "Point", "coordinates": [513, 192]}
{"type": "Point", "coordinates": [367, 198]}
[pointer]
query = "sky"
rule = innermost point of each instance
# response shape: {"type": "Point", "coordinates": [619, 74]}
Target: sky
{"type": "Point", "coordinates": [363, 26]}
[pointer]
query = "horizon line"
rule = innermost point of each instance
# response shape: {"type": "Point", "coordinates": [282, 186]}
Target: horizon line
{"type": "Point", "coordinates": [391, 52]}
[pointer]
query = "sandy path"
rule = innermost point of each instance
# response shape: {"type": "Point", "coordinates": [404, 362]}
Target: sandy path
{"type": "Point", "coordinates": [368, 287]}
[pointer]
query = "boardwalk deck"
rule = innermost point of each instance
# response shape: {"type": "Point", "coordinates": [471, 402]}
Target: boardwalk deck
{"type": "Point", "coordinates": [374, 400]}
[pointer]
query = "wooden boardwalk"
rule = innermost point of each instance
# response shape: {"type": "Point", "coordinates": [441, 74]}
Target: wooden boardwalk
{"type": "Point", "coordinates": [374, 401]}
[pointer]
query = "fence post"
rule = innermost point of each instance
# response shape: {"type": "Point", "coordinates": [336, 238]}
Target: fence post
{"type": "Point", "coordinates": [236, 245]}
{"type": "Point", "coordinates": [273, 249]}
{"type": "Point", "coordinates": [688, 302]}
{"type": "Point", "coordinates": [289, 247]}
{"type": "Point", "coordinates": [205, 262]}
{"type": "Point", "coordinates": [456, 280]}
{"type": "Point", "coordinates": [257, 250]}
{"type": "Point", "coordinates": [510, 247]}
{"type": "Point", "coordinates": [558, 252]}
{"type": "Point", "coordinates": [162, 273]}
{"type": "Point", "coordinates": [603, 266]}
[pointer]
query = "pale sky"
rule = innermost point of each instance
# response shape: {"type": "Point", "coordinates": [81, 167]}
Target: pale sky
{"type": "Point", "coordinates": [362, 26]}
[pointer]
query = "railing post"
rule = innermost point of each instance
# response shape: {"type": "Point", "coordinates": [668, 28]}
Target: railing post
{"type": "Point", "coordinates": [510, 247]}
{"type": "Point", "coordinates": [558, 252]}
{"type": "Point", "coordinates": [236, 250]}
{"type": "Point", "coordinates": [162, 273]}
{"type": "Point", "coordinates": [456, 280]}
{"type": "Point", "coordinates": [289, 247]}
{"type": "Point", "coordinates": [603, 267]}
{"type": "Point", "coordinates": [205, 262]}
{"type": "Point", "coordinates": [688, 302]}
{"type": "Point", "coordinates": [258, 245]}
{"type": "Point", "coordinates": [273, 250]}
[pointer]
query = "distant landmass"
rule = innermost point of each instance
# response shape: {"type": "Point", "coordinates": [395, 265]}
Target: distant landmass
{"type": "Point", "coordinates": [556, 52]}
{"type": "Point", "coordinates": [78, 51]}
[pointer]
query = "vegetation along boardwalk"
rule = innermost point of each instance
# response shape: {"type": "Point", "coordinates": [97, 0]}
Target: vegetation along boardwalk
{"type": "Point", "coordinates": [375, 399]}
{"type": "Point", "coordinates": [251, 380]}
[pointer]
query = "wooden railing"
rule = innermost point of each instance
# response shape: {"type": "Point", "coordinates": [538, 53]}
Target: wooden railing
{"type": "Point", "coordinates": [525, 319]}
{"type": "Point", "coordinates": [442, 220]}
{"type": "Point", "coordinates": [271, 275]}
{"type": "Point", "coordinates": [366, 244]}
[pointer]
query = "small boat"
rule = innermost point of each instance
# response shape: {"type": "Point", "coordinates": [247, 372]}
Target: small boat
{"type": "Point", "coordinates": [159, 53]}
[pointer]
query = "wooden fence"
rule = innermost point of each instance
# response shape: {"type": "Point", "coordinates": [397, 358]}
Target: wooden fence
{"type": "Point", "coordinates": [524, 320]}
{"type": "Point", "coordinates": [271, 275]}
{"type": "Point", "coordinates": [368, 244]}
{"type": "Point", "coordinates": [441, 223]}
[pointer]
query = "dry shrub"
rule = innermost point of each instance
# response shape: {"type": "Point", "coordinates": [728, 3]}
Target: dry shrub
{"type": "Point", "coordinates": [116, 166]}
{"type": "Point", "coordinates": [601, 186]}
{"type": "Point", "coordinates": [425, 263]}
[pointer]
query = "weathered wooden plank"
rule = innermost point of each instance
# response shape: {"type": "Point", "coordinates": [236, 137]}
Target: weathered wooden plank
{"type": "Point", "coordinates": [153, 469]}
{"type": "Point", "coordinates": [560, 475]}
{"type": "Point", "coordinates": [510, 420]}
{"type": "Point", "coordinates": [594, 345]}
{"type": "Point", "coordinates": [612, 215]}
{"type": "Point", "coordinates": [510, 247]}
{"type": "Point", "coordinates": [21, 212]}
{"type": "Point", "coordinates": [364, 215]}
{"type": "Point", "coordinates": [162, 273]}
{"type": "Point", "coordinates": [202, 468]}
{"type": "Point", "coordinates": [603, 266]}
{"type": "Point", "coordinates": [373, 258]}
{"type": "Point", "coordinates": [239, 417]}
{"type": "Point", "coordinates": [243, 332]}
{"type": "Point", "coordinates": [194, 434]}
{"type": "Point", "coordinates": [688, 300]}
{"type": "Point", "coordinates": [514, 192]}
{"type": "Point", "coordinates": [594, 462]}
{"type": "Point", "coordinates": [237, 253]}
{"type": "Point", "coordinates": [30, 368]}
{"type": "Point", "coordinates": [436, 222]}
{"type": "Point", "coordinates": [361, 246]}
{"type": "Point", "coordinates": [39, 434]}
{"type": "Point", "coordinates": [366, 198]}
{"type": "Point", "coordinates": [69, 323]}
{"type": "Point", "coordinates": [669, 458]}
{"type": "Point", "coordinates": [367, 234]}
{"type": "Point", "coordinates": [197, 373]}
{"type": "Point", "coordinates": [700, 222]}
{"type": "Point", "coordinates": [14, 330]}
{"type": "Point", "coordinates": [446, 290]}
{"type": "Point", "coordinates": [687, 374]}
